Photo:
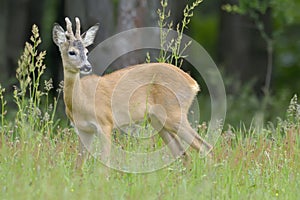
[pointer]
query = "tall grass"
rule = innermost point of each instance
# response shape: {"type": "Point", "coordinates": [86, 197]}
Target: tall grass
{"type": "Point", "coordinates": [171, 48]}
{"type": "Point", "coordinates": [35, 113]}
{"type": "Point", "coordinates": [248, 164]}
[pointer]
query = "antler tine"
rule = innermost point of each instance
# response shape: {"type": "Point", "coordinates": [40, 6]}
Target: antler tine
{"type": "Point", "coordinates": [69, 31]}
{"type": "Point", "coordinates": [77, 33]}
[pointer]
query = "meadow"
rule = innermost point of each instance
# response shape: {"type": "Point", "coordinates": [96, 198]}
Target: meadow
{"type": "Point", "coordinates": [38, 153]}
{"type": "Point", "coordinates": [247, 164]}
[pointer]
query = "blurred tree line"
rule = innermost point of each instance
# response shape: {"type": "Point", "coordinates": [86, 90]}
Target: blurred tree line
{"type": "Point", "coordinates": [17, 17]}
{"type": "Point", "coordinates": [232, 40]}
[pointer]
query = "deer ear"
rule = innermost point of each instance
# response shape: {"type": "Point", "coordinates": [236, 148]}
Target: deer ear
{"type": "Point", "coordinates": [58, 35]}
{"type": "Point", "coordinates": [89, 36]}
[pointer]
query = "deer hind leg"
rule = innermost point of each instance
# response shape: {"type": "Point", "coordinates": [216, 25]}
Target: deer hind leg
{"type": "Point", "coordinates": [199, 143]}
{"type": "Point", "coordinates": [189, 135]}
{"type": "Point", "coordinates": [171, 140]}
{"type": "Point", "coordinates": [173, 143]}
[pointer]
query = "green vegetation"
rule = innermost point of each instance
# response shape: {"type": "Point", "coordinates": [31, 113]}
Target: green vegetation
{"type": "Point", "coordinates": [38, 154]}
{"type": "Point", "coordinates": [33, 118]}
{"type": "Point", "coordinates": [259, 166]}
{"type": "Point", "coordinates": [250, 163]}
{"type": "Point", "coordinates": [283, 15]}
{"type": "Point", "coordinates": [173, 45]}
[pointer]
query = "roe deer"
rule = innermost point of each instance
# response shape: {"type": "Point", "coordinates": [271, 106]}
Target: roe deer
{"type": "Point", "coordinates": [101, 103]}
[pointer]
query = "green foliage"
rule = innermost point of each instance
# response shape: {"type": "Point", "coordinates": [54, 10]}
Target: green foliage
{"type": "Point", "coordinates": [254, 9]}
{"type": "Point", "coordinates": [31, 118]}
{"type": "Point", "coordinates": [284, 13]}
{"type": "Point", "coordinates": [284, 10]}
{"type": "Point", "coordinates": [244, 108]}
{"type": "Point", "coordinates": [204, 29]}
{"type": "Point", "coordinates": [174, 45]}
{"type": "Point", "coordinates": [29, 72]}
{"type": "Point", "coordinates": [293, 112]}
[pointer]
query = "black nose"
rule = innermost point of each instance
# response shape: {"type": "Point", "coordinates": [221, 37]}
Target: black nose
{"type": "Point", "coordinates": [85, 69]}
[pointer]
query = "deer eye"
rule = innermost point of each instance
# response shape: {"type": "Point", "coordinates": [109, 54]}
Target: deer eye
{"type": "Point", "coordinates": [72, 53]}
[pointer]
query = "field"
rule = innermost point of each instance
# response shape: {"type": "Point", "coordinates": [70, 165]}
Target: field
{"type": "Point", "coordinates": [262, 165]}
{"type": "Point", "coordinates": [38, 154]}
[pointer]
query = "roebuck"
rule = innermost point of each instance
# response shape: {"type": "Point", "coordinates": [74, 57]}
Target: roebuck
{"type": "Point", "coordinates": [162, 92]}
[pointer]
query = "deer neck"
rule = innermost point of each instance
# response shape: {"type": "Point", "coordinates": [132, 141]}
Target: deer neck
{"type": "Point", "coordinates": [71, 90]}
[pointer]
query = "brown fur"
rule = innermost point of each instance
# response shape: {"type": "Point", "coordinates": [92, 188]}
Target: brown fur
{"type": "Point", "coordinates": [99, 104]}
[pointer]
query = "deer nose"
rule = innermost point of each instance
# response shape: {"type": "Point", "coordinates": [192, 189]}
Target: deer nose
{"type": "Point", "coordinates": [85, 69]}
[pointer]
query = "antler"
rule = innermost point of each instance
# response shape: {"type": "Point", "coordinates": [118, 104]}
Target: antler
{"type": "Point", "coordinates": [69, 32]}
{"type": "Point", "coordinates": [77, 33]}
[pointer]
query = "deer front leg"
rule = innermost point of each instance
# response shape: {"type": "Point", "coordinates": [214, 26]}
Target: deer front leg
{"type": "Point", "coordinates": [105, 137]}
{"type": "Point", "coordinates": [81, 155]}
{"type": "Point", "coordinates": [85, 141]}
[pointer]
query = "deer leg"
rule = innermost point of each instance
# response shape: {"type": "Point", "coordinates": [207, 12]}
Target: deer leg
{"type": "Point", "coordinates": [171, 140]}
{"type": "Point", "coordinates": [198, 143]}
{"type": "Point", "coordinates": [173, 143]}
{"type": "Point", "coordinates": [190, 136]}
{"type": "Point", "coordinates": [105, 144]}
{"type": "Point", "coordinates": [81, 155]}
{"type": "Point", "coordinates": [85, 141]}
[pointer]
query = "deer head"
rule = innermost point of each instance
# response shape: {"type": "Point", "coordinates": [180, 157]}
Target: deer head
{"type": "Point", "coordinates": [73, 48]}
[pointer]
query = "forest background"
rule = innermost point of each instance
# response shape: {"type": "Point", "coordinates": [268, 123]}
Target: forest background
{"type": "Point", "coordinates": [233, 38]}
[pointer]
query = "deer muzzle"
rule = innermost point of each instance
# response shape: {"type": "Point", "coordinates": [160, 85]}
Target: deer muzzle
{"type": "Point", "coordinates": [86, 69]}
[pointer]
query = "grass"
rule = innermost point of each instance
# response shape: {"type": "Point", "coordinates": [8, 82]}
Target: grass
{"type": "Point", "coordinates": [38, 155]}
{"type": "Point", "coordinates": [261, 165]}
